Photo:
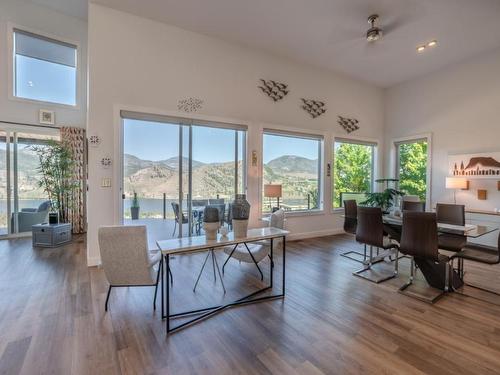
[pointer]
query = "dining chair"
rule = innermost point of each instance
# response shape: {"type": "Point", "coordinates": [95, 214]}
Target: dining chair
{"type": "Point", "coordinates": [126, 259]}
{"type": "Point", "coordinates": [453, 214]}
{"type": "Point", "coordinates": [350, 224]}
{"type": "Point", "coordinates": [413, 206]}
{"type": "Point", "coordinates": [179, 216]}
{"type": "Point", "coordinates": [479, 254]}
{"type": "Point", "coordinates": [370, 232]}
{"type": "Point", "coordinates": [256, 252]}
{"type": "Point", "coordinates": [216, 201]}
{"type": "Point", "coordinates": [419, 239]}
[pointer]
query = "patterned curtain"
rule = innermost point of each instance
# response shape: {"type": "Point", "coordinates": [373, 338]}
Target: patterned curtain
{"type": "Point", "coordinates": [75, 139]}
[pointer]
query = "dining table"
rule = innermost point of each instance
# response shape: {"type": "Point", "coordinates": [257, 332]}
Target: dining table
{"type": "Point", "coordinates": [433, 273]}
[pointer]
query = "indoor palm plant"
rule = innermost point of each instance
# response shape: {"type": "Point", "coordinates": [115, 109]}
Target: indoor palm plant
{"type": "Point", "coordinates": [384, 199]}
{"type": "Point", "coordinates": [56, 165]}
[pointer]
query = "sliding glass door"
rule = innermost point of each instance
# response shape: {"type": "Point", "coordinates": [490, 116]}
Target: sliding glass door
{"type": "Point", "coordinates": [173, 168]}
{"type": "Point", "coordinates": [23, 202]}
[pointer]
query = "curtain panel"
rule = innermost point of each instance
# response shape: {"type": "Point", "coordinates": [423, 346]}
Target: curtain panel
{"type": "Point", "coordinates": [75, 139]}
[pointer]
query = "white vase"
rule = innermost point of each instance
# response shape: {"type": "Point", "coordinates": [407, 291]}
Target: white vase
{"type": "Point", "coordinates": [240, 228]}
{"type": "Point", "coordinates": [211, 230]}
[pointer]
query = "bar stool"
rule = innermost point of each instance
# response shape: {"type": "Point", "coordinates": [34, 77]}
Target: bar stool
{"type": "Point", "coordinates": [370, 232]}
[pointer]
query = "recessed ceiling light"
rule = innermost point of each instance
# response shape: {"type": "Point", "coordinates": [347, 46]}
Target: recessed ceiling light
{"type": "Point", "coordinates": [432, 43]}
{"type": "Point", "coordinates": [420, 48]}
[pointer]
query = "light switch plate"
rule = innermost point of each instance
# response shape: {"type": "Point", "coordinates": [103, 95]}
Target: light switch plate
{"type": "Point", "coordinates": [106, 182]}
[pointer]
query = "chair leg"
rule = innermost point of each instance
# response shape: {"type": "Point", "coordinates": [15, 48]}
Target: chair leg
{"type": "Point", "coordinates": [255, 262]}
{"type": "Point", "coordinates": [396, 263]}
{"type": "Point", "coordinates": [107, 299]}
{"type": "Point", "coordinates": [229, 257]}
{"type": "Point", "coordinates": [201, 271]}
{"type": "Point", "coordinates": [218, 270]}
{"type": "Point", "coordinates": [156, 285]}
{"type": "Point", "coordinates": [410, 280]}
{"type": "Point", "coordinates": [271, 259]}
{"type": "Point", "coordinates": [171, 276]}
{"type": "Point", "coordinates": [447, 277]}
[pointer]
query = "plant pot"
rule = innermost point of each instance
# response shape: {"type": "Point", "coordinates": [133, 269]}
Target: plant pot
{"type": "Point", "coordinates": [53, 218]}
{"type": "Point", "coordinates": [134, 212]}
{"type": "Point", "coordinates": [211, 230]}
{"type": "Point", "coordinates": [240, 228]}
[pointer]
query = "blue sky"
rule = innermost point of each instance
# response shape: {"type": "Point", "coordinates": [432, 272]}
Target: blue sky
{"type": "Point", "coordinates": [41, 80]}
{"type": "Point", "coordinates": [157, 141]}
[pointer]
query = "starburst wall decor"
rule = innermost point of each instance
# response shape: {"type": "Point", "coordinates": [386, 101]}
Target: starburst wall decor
{"type": "Point", "coordinates": [275, 90]}
{"type": "Point", "coordinates": [190, 104]}
{"type": "Point", "coordinates": [348, 124]}
{"type": "Point", "coordinates": [314, 107]}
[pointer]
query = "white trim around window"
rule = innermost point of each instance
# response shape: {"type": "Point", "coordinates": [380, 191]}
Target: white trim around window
{"type": "Point", "coordinates": [393, 163]}
{"type": "Point", "coordinates": [11, 27]}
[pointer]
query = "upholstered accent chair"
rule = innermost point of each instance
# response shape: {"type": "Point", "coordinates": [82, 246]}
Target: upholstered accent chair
{"type": "Point", "coordinates": [28, 217]}
{"type": "Point", "coordinates": [256, 252]}
{"type": "Point", "coordinates": [126, 259]}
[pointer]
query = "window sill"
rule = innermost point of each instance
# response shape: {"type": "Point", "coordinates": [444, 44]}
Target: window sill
{"type": "Point", "coordinates": [20, 99]}
{"type": "Point", "coordinates": [290, 214]}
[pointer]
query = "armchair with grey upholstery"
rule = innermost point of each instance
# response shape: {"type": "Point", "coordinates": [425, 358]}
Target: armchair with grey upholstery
{"type": "Point", "coordinates": [126, 259]}
{"type": "Point", "coordinates": [28, 217]}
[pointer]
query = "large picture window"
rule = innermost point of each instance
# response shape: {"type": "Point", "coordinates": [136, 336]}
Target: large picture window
{"type": "Point", "coordinates": [411, 168]}
{"type": "Point", "coordinates": [44, 69]}
{"type": "Point", "coordinates": [291, 171]}
{"type": "Point", "coordinates": [353, 166]}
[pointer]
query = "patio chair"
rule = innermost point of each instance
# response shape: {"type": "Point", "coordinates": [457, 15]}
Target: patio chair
{"type": "Point", "coordinates": [179, 216]}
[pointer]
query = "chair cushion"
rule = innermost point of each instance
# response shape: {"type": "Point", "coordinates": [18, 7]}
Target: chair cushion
{"type": "Point", "coordinates": [451, 242]}
{"type": "Point", "coordinates": [154, 257]}
{"type": "Point", "coordinates": [479, 253]}
{"type": "Point", "coordinates": [388, 244]}
{"type": "Point", "coordinates": [259, 252]}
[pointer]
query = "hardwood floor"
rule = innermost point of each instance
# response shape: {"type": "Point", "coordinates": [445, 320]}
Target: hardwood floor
{"type": "Point", "coordinates": [52, 320]}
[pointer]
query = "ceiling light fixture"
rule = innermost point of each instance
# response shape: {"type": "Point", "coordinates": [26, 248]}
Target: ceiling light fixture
{"type": "Point", "coordinates": [432, 43]}
{"type": "Point", "coordinates": [420, 48]}
{"type": "Point", "coordinates": [374, 33]}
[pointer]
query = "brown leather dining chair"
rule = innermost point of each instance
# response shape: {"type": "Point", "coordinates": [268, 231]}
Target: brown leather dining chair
{"type": "Point", "coordinates": [479, 254]}
{"type": "Point", "coordinates": [413, 206]}
{"type": "Point", "coordinates": [350, 224]}
{"type": "Point", "coordinates": [370, 232]}
{"type": "Point", "coordinates": [453, 214]}
{"type": "Point", "coordinates": [419, 239]}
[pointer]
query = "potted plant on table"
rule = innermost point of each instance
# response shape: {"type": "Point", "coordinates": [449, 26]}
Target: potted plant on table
{"type": "Point", "coordinates": [56, 165]}
{"type": "Point", "coordinates": [384, 199]}
{"type": "Point", "coordinates": [134, 208]}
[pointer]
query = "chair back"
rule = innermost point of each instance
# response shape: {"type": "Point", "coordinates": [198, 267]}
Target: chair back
{"type": "Point", "coordinates": [453, 214]}
{"type": "Point", "coordinates": [413, 206]}
{"type": "Point", "coordinates": [277, 219]}
{"type": "Point", "coordinates": [125, 256]}
{"type": "Point", "coordinates": [351, 216]}
{"type": "Point", "coordinates": [420, 235]}
{"type": "Point", "coordinates": [370, 227]}
{"type": "Point", "coordinates": [199, 202]}
{"type": "Point", "coordinates": [216, 201]}
{"type": "Point", "coordinates": [177, 212]}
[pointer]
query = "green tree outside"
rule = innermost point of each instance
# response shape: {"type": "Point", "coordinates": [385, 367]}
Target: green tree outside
{"type": "Point", "coordinates": [413, 168]}
{"type": "Point", "coordinates": [352, 172]}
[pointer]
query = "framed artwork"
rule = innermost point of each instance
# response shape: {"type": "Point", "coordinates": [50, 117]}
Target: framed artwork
{"type": "Point", "coordinates": [46, 117]}
{"type": "Point", "coordinates": [475, 166]}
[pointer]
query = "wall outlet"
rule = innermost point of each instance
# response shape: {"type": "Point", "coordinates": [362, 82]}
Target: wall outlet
{"type": "Point", "coordinates": [106, 182]}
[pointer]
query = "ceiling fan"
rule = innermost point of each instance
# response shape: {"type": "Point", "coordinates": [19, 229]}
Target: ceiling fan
{"type": "Point", "coordinates": [374, 33]}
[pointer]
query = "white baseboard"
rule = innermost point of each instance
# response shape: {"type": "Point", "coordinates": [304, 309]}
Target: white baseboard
{"type": "Point", "coordinates": [319, 233]}
{"type": "Point", "coordinates": [92, 262]}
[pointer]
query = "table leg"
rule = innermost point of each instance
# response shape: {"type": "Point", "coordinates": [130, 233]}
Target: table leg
{"type": "Point", "coordinates": [162, 269]}
{"type": "Point", "coordinates": [168, 295]}
{"type": "Point", "coordinates": [284, 251]}
{"type": "Point", "coordinates": [271, 264]}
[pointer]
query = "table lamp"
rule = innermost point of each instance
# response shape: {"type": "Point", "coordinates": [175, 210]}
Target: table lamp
{"type": "Point", "coordinates": [273, 191]}
{"type": "Point", "coordinates": [456, 183]}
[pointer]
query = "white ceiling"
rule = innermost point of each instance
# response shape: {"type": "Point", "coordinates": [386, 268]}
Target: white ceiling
{"type": "Point", "coordinates": [330, 33]}
{"type": "Point", "coordinates": [74, 8]}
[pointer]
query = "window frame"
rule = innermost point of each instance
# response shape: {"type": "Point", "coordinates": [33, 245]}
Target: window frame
{"type": "Point", "coordinates": [285, 132]}
{"type": "Point", "coordinates": [395, 159]}
{"type": "Point", "coordinates": [374, 162]}
{"type": "Point", "coordinates": [11, 28]}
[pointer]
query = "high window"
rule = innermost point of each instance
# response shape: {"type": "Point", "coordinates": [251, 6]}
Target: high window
{"type": "Point", "coordinates": [291, 171]}
{"type": "Point", "coordinates": [411, 166]}
{"type": "Point", "coordinates": [353, 170]}
{"type": "Point", "coordinates": [44, 69]}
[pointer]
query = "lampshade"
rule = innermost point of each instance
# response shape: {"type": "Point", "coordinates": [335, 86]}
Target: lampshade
{"type": "Point", "coordinates": [272, 191]}
{"type": "Point", "coordinates": [456, 183]}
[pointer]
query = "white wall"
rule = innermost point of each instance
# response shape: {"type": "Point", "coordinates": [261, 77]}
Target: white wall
{"type": "Point", "coordinates": [136, 63]}
{"type": "Point", "coordinates": [40, 19]}
{"type": "Point", "coordinates": [459, 105]}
